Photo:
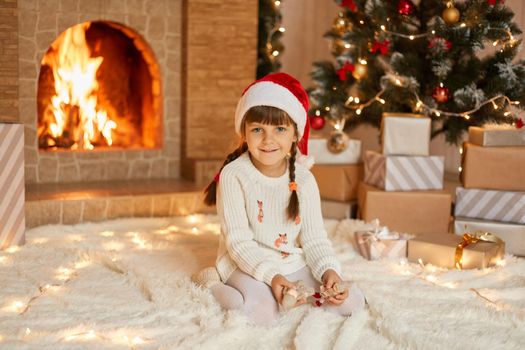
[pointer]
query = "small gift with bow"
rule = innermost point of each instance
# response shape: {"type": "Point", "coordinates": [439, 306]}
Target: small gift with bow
{"type": "Point", "coordinates": [469, 251]}
{"type": "Point", "coordinates": [379, 242]}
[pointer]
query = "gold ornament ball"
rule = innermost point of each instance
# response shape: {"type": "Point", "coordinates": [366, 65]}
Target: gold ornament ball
{"type": "Point", "coordinates": [451, 15]}
{"type": "Point", "coordinates": [341, 25]}
{"type": "Point", "coordinates": [337, 142]}
{"type": "Point", "coordinates": [360, 71]}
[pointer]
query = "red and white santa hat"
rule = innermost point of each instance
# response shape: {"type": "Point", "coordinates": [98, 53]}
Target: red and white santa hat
{"type": "Point", "coordinates": [282, 91]}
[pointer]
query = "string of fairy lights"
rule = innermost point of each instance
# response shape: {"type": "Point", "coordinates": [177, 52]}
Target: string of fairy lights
{"type": "Point", "coordinates": [68, 274]}
{"type": "Point", "coordinates": [354, 102]}
{"type": "Point", "coordinates": [271, 52]}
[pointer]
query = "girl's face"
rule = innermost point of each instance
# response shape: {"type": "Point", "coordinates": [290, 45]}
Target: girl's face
{"type": "Point", "coordinates": [268, 145]}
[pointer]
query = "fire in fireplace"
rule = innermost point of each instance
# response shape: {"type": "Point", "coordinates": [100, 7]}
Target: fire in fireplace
{"type": "Point", "coordinates": [99, 88]}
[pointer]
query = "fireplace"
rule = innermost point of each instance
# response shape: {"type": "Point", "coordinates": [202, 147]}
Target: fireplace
{"type": "Point", "coordinates": [99, 89]}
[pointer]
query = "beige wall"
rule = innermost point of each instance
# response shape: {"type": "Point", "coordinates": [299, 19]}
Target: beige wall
{"type": "Point", "coordinates": [307, 20]}
{"type": "Point", "coordinates": [220, 61]}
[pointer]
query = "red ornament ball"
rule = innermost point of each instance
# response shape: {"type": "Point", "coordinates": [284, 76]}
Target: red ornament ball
{"type": "Point", "coordinates": [317, 122]}
{"type": "Point", "coordinates": [441, 94]}
{"type": "Point", "coordinates": [405, 7]}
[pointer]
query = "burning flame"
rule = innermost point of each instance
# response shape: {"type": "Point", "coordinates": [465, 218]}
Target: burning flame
{"type": "Point", "coordinates": [73, 117]}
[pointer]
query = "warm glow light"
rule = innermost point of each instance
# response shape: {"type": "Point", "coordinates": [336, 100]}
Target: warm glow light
{"type": "Point", "coordinates": [347, 46]}
{"type": "Point", "coordinates": [437, 113]}
{"type": "Point", "coordinates": [362, 22]}
{"type": "Point", "coordinates": [12, 249]}
{"type": "Point", "coordinates": [495, 43]}
{"type": "Point", "coordinates": [501, 262]}
{"type": "Point", "coordinates": [282, 30]}
{"type": "Point", "coordinates": [494, 105]}
{"type": "Point", "coordinates": [137, 340]}
{"type": "Point", "coordinates": [327, 108]}
{"type": "Point", "coordinates": [460, 169]}
{"type": "Point", "coordinates": [277, 3]}
{"type": "Point", "coordinates": [358, 111]}
{"type": "Point", "coordinates": [75, 83]}
{"type": "Point", "coordinates": [275, 53]}
{"type": "Point", "coordinates": [463, 25]}
{"type": "Point", "coordinates": [82, 264]}
{"type": "Point", "coordinates": [16, 306]}
{"type": "Point", "coordinates": [466, 116]}
{"type": "Point", "coordinates": [383, 27]}
{"type": "Point", "coordinates": [381, 100]}
{"type": "Point", "coordinates": [431, 278]}
{"type": "Point", "coordinates": [411, 37]}
{"type": "Point", "coordinates": [506, 114]}
{"type": "Point", "coordinates": [194, 230]}
{"type": "Point", "coordinates": [107, 234]}
{"type": "Point", "coordinates": [398, 82]}
{"type": "Point", "coordinates": [363, 61]}
{"type": "Point", "coordinates": [350, 99]}
{"type": "Point", "coordinates": [356, 100]}
{"type": "Point", "coordinates": [461, 150]}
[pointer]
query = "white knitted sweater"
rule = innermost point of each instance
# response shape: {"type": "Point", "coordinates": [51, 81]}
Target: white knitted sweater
{"type": "Point", "coordinates": [256, 235]}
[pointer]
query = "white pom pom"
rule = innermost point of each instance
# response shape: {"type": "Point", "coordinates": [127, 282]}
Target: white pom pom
{"type": "Point", "coordinates": [306, 161]}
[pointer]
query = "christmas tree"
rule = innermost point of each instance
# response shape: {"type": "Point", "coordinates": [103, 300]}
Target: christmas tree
{"type": "Point", "coordinates": [424, 57]}
{"type": "Point", "coordinates": [269, 46]}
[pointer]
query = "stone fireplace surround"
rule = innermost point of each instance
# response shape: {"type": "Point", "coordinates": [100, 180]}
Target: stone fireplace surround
{"type": "Point", "coordinates": [159, 24]}
{"type": "Point", "coordinates": [206, 54]}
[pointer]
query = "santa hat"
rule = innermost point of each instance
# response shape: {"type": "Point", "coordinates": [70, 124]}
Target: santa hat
{"type": "Point", "coordinates": [282, 91]}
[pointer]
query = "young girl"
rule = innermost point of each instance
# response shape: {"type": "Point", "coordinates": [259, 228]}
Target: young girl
{"type": "Point", "coordinates": [272, 231]}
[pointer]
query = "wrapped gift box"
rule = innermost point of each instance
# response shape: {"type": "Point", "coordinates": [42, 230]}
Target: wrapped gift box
{"type": "Point", "coordinates": [381, 243]}
{"type": "Point", "coordinates": [493, 168]}
{"type": "Point", "coordinates": [512, 234]}
{"type": "Point", "coordinates": [338, 210]}
{"type": "Point", "coordinates": [350, 155]}
{"type": "Point", "coordinates": [496, 136]}
{"type": "Point", "coordinates": [404, 173]}
{"type": "Point", "coordinates": [338, 182]}
{"type": "Point", "coordinates": [414, 212]}
{"type": "Point", "coordinates": [504, 206]}
{"type": "Point", "coordinates": [440, 250]}
{"type": "Point", "coordinates": [12, 185]}
{"type": "Point", "coordinates": [405, 134]}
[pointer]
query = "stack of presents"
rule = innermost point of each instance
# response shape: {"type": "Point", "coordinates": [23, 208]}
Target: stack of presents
{"type": "Point", "coordinates": [338, 176]}
{"type": "Point", "coordinates": [402, 187]}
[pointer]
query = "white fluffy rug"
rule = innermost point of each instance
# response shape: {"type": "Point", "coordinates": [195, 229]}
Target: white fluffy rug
{"type": "Point", "coordinates": [125, 284]}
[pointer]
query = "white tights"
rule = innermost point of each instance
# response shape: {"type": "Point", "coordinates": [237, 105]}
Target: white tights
{"type": "Point", "coordinates": [256, 300]}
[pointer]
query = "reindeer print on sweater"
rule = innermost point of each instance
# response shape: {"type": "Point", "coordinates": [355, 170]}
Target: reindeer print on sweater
{"type": "Point", "coordinates": [261, 214]}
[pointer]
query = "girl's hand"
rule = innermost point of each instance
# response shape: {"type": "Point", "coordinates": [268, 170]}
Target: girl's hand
{"type": "Point", "coordinates": [330, 278]}
{"type": "Point", "coordinates": [279, 285]}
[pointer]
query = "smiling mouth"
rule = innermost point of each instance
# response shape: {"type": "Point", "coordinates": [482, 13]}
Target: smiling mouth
{"type": "Point", "coordinates": [268, 151]}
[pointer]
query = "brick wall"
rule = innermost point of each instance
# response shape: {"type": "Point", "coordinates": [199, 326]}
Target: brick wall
{"type": "Point", "coordinates": [219, 62]}
{"type": "Point", "coordinates": [8, 60]}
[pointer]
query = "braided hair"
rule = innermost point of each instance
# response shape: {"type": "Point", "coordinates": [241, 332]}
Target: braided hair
{"type": "Point", "coordinates": [210, 192]}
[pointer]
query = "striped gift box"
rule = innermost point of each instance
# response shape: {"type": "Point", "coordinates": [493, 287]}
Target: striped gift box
{"type": "Point", "coordinates": [12, 198]}
{"type": "Point", "coordinates": [505, 206]}
{"type": "Point", "coordinates": [404, 173]}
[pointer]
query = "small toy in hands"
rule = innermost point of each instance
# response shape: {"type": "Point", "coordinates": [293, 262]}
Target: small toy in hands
{"type": "Point", "coordinates": [293, 295]}
{"type": "Point", "coordinates": [326, 293]}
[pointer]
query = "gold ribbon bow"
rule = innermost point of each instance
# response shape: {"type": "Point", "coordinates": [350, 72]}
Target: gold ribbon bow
{"type": "Point", "coordinates": [468, 239]}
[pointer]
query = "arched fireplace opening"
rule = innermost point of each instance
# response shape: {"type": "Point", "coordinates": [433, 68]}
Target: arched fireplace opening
{"type": "Point", "coordinates": [99, 88]}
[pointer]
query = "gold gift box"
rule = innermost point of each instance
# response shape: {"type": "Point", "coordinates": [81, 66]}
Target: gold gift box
{"type": "Point", "coordinates": [440, 250]}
